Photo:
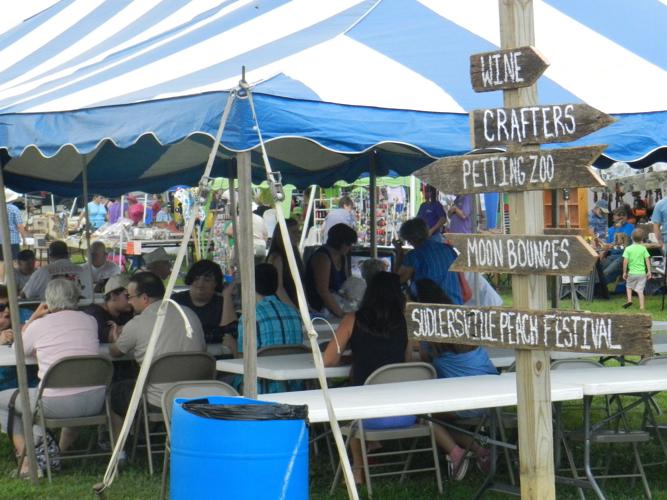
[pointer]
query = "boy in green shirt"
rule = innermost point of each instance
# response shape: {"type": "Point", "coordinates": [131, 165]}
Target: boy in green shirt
{"type": "Point", "coordinates": [636, 268]}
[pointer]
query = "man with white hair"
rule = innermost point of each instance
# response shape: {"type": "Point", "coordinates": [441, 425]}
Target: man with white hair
{"type": "Point", "coordinates": [59, 267]}
{"type": "Point", "coordinates": [99, 267]}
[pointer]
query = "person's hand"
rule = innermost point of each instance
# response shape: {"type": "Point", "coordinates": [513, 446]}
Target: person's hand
{"type": "Point", "coordinates": [398, 245]}
{"type": "Point", "coordinates": [6, 337]}
{"type": "Point", "coordinates": [41, 311]}
{"type": "Point", "coordinates": [625, 276]}
{"type": "Point", "coordinates": [114, 330]}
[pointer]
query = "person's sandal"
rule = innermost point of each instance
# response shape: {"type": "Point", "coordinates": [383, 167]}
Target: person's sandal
{"type": "Point", "coordinates": [457, 469]}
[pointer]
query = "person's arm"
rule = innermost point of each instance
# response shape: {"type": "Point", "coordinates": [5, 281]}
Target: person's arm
{"type": "Point", "coordinates": [647, 261]}
{"type": "Point", "coordinates": [657, 233]}
{"type": "Point", "coordinates": [277, 262]}
{"type": "Point", "coordinates": [625, 268]}
{"type": "Point", "coordinates": [124, 340]}
{"type": "Point", "coordinates": [335, 350]}
{"type": "Point", "coordinates": [322, 269]}
{"type": "Point", "coordinates": [405, 273]}
{"type": "Point", "coordinates": [438, 226]}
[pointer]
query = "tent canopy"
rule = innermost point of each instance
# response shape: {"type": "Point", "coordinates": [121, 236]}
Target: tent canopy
{"type": "Point", "coordinates": [136, 89]}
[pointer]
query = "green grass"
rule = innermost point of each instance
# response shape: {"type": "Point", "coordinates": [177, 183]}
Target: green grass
{"type": "Point", "coordinates": [77, 477]}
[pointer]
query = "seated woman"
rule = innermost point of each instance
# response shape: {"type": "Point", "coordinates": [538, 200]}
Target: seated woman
{"type": "Point", "coordinates": [277, 257]}
{"type": "Point", "coordinates": [204, 297]}
{"type": "Point", "coordinates": [57, 330]}
{"type": "Point", "coordinates": [327, 270]}
{"type": "Point", "coordinates": [455, 360]}
{"type": "Point", "coordinates": [377, 334]}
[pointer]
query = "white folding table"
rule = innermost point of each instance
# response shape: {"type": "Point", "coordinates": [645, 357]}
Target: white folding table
{"type": "Point", "coordinates": [407, 398]}
{"type": "Point", "coordinates": [284, 367]}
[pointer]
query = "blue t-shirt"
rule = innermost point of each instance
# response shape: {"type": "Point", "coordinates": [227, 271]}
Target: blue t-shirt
{"type": "Point", "coordinates": [431, 261]}
{"type": "Point", "coordinates": [660, 217]}
{"type": "Point", "coordinates": [627, 228]}
{"type": "Point", "coordinates": [97, 214]}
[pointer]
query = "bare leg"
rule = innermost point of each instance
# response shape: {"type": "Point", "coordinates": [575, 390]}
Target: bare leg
{"type": "Point", "coordinates": [628, 293]}
{"type": "Point", "coordinates": [640, 294]}
{"type": "Point", "coordinates": [357, 461]}
{"type": "Point", "coordinates": [67, 436]}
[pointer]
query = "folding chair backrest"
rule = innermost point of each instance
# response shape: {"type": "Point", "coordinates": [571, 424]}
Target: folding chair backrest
{"type": "Point", "coordinates": [78, 371]}
{"type": "Point", "coordinates": [401, 372]}
{"type": "Point", "coordinates": [574, 364]}
{"type": "Point", "coordinates": [193, 389]}
{"type": "Point", "coordinates": [654, 361]}
{"type": "Point", "coordinates": [180, 366]}
{"type": "Point", "coordinates": [280, 349]}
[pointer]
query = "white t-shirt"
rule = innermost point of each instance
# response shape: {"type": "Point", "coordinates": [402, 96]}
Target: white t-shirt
{"type": "Point", "coordinates": [62, 268]}
{"type": "Point", "coordinates": [104, 272]}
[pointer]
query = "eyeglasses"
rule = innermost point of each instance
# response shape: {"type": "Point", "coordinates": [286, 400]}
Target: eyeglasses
{"type": "Point", "coordinates": [134, 296]}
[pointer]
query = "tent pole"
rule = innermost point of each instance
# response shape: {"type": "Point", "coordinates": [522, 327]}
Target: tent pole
{"type": "Point", "coordinates": [413, 197]}
{"type": "Point", "coordinates": [122, 229]}
{"type": "Point", "coordinates": [145, 208]}
{"type": "Point", "coordinates": [10, 282]}
{"type": "Point", "coordinates": [306, 219]}
{"type": "Point", "coordinates": [246, 251]}
{"type": "Point", "coordinates": [372, 187]}
{"type": "Point", "coordinates": [84, 175]}
{"type": "Point", "coordinates": [234, 211]}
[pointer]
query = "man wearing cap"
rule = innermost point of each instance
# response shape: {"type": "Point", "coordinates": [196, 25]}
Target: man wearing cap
{"type": "Point", "coordinates": [115, 311]}
{"type": "Point", "coordinates": [157, 262]}
{"type": "Point", "coordinates": [100, 268]}
{"type": "Point", "coordinates": [59, 267]}
{"type": "Point", "coordinates": [598, 220]}
{"type": "Point", "coordinates": [16, 230]}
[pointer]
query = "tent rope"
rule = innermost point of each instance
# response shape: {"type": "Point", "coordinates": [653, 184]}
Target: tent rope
{"type": "Point", "coordinates": [274, 180]}
{"type": "Point", "coordinates": [112, 467]}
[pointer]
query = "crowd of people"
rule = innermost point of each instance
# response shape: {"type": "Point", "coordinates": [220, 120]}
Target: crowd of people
{"type": "Point", "coordinates": [371, 320]}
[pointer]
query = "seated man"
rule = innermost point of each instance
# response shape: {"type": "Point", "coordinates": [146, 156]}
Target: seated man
{"type": "Point", "coordinates": [115, 311]}
{"type": "Point", "coordinates": [277, 323]}
{"type": "Point", "coordinates": [99, 267]}
{"type": "Point", "coordinates": [59, 266]}
{"type": "Point", "coordinates": [157, 262]}
{"type": "Point", "coordinates": [146, 291]}
{"type": "Point", "coordinates": [25, 268]}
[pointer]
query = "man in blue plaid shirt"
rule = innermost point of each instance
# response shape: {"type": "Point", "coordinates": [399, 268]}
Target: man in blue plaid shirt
{"type": "Point", "coordinates": [277, 323]}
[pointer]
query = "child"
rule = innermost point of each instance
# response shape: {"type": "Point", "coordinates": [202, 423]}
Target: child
{"type": "Point", "coordinates": [636, 268]}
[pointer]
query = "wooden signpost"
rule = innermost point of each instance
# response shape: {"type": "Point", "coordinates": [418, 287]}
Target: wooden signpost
{"type": "Point", "coordinates": [521, 171]}
{"type": "Point", "coordinates": [572, 331]}
{"type": "Point", "coordinates": [506, 69]}
{"type": "Point", "coordinates": [520, 125]}
{"type": "Point", "coordinates": [523, 254]}
{"type": "Point", "coordinates": [535, 124]}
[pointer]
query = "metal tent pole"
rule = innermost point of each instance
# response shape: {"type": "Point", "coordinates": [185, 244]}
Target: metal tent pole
{"type": "Point", "coordinates": [246, 256]}
{"type": "Point", "coordinates": [372, 187]}
{"type": "Point", "coordinates": [10, 282]}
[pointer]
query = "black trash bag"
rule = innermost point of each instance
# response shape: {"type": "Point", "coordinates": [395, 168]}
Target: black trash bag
{"type": "Point", "coordinates": [254, 412]}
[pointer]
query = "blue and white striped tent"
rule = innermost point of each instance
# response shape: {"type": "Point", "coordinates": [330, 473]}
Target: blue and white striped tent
{"type": "Point", "coordinates": [135, 89]}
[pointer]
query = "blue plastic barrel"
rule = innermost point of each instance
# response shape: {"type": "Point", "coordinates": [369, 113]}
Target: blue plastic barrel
{"type": "Point", "coordinates": [237, 459]}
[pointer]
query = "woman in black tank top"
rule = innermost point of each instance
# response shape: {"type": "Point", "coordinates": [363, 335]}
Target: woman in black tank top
{"type": "Point", "coordinates": [377, 334]}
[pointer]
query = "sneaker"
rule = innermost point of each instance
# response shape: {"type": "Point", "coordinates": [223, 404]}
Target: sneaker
{"type": "Point", "coordinates": [457, 468]}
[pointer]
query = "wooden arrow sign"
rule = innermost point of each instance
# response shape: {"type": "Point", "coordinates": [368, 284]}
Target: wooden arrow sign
{"type": "Point", "coordinates": [523, 254]}
{"type": "Point", "coordinates": [535, 124]}
{"type": "Point", "coordinates": [520, 171]}
{"type": "Point", "coordinates": [506, 69]}
{"type": "Point", "coordinates": [553, 330]}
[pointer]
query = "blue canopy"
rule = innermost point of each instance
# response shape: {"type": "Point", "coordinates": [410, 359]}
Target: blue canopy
{"type": "Point", "coordinates": [135, 90]}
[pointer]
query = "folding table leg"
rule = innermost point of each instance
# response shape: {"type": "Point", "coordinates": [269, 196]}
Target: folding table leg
{"type": "Point", "coordinates": [587, 448]}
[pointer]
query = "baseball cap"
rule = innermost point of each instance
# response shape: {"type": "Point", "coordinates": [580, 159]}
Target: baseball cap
{"type": "Point", "coordinates": [116, 283]}
{"type": "Point", "coordinates": [603, 205]}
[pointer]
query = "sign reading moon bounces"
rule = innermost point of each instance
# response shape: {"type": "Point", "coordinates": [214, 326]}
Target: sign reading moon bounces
{"type": "Point", "coordinates": [523, 254]}
{"type": "Point", "coordinates": [535, 124]}
{"type": "Point", "coordinates": [516, 171]}
{"type": "Point", "coordinates": [554, 330]}
{"type": "Point", "coordinates": [506, 69]}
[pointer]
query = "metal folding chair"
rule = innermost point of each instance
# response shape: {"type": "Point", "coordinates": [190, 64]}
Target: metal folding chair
{"type": "Point", "coordinates": [398, 372]}
{"type": "Point", "coordinates": [280, 350]}
{"type": "Point", "coordinates": [168, 369]}
{"type": "Point", "coordinates": [614, 428]}
{"type": "Point", "coordinates": [70, 373]}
